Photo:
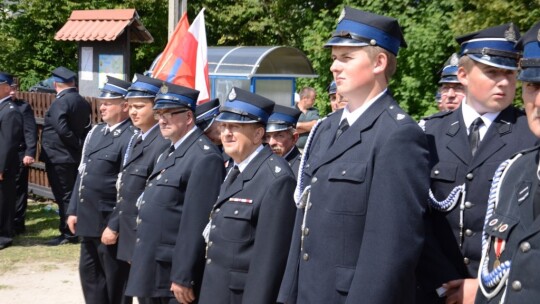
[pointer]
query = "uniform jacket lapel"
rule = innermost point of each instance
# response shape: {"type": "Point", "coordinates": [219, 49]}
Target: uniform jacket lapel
{"type": "Point", "coordinates": [107, 140]}
{"type": "Point", "coordinates": [246, 175]}
{"type": "Point", "coordinates": [458, 142]}
{"type": "Point", "coordinates": [166, 162]}
{"type": "Point", "coordinates": [138, 150]}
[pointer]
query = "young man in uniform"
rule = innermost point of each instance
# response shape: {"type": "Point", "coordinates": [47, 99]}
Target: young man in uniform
{"type": "Point", "coordinates": [94, 198]}
{"type": "Point", "coordinates": [466, 147]}
{"type": "Point", "coordinates": [363, 180]}
{"type": "Point", "coordinates": [509, 269]}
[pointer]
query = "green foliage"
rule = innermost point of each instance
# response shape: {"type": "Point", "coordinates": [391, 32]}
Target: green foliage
{"type": "Point", "coordinates": [429, 28]}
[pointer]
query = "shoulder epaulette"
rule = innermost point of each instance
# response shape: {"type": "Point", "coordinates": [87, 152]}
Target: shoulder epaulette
{"type": "Point", "coordinates": [204, 145]}
{"type": "Point", "coordinates": [275, 166]}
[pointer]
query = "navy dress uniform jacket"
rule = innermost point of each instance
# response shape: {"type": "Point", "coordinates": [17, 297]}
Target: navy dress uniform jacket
{"type": "Point", "coordinates": [174, 209]}
{"type": "Point", "coordinates": [522, 235]}
{"type": "Point", "coordinates": [135, 172]}
{"type": "Point", "coordinates": [27, 146]}
{"type": "Point", "coordinates": [364, 232]}
{"type": "Point", "coordinates": [250, 234]}
{"type": "Point", "coordinates": [294, 159]}
{"type": "Point", "coordinates": [65, 127]}
{"type": "Point", "coordinates": [94, 194]}
{"type": "Point", "coordinates": [452, 164]}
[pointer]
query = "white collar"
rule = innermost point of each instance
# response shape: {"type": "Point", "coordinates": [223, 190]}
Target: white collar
{"type": "Point", "coordinates": [242, 165]}
{"type": "Point", "coordinates": [181, 140]}
{"type": "Point", "coordinates": [353, 116]}
{"type": "Point", "coordinates": [145, 134]}
{"type": "Point", "coordinates": [470, 114]}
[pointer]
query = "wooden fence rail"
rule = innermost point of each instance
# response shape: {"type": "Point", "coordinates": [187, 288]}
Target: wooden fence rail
{"type": "Point", "coordinates": [40, 102]}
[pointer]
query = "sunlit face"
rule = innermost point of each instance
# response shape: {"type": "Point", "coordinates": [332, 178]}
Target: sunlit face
{"type": "Point", "coordinates": [174, 123]}
{"type": "Point", "coordinates": [281, 142]}
{"type": "Point", "coordinates": [352, 69]}
{"type": "Point", "coordinates": [113, 111]}
{"type": "Point", "coordinates": [240, 140]}
{"type": "Point", "coordinates": [452, 94]}
{"type": "Point", "coordinates": [489, 89]}
{"type": "Point", "coordinates": [308, 100]}
{"type": "Point", "coordinates": [531, 100]}
{"type": "Point", "coordinates": [141, 113]}
{"type": "Point", "coordinates": [5, 90]}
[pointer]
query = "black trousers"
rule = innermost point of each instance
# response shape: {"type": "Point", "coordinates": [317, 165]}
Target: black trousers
{"type": "Point", "coordinates": [21, 197]}
{"type": "Point", "coordinates": [62, 179]}
{"type": "Point", "coordinates": [7, 203]}
{"type": "Point", "coordinates": [157, 300]}
{"type": "Point", "coordinates": [103, 277]}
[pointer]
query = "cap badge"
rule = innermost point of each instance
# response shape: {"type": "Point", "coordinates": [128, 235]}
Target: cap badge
{"type": "Point", "coordinates": [341, 16]}
{"type": "Point", "coordinates": [510, 33]}
{"type": "Point", "coordinates": [454, 59]}
{"type": "Point", "coordinates": [164, 89]}
{"type": "Point", "coordinates": [232, 95]}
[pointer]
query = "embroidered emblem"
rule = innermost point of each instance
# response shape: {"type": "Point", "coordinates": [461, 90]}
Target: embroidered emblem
{"type": "Point", "coordinates": [523, 194]}
{"type": "Point", "coordinates": [232, 95]}
{"type": "Point", "coordinates": [400, 116]}
{"type": "Point", "coordinates": [117, 132]}
{"type": "Point", "coordinates": [503, 228]}
{"type": "Point", "coordinates": [164, 89]}
{"type": "Point", "coordinates": [493, 222]}
{"type": "Point", "coordinates": [510, 33]}
{"type": "Point", "coordinates": [278, 169]}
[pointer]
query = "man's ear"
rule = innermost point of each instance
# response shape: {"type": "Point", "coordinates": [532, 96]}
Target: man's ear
{"type": "Point", "coordinates": [462, 76]}
{"type": "Point", "coordinates": [380, 63]}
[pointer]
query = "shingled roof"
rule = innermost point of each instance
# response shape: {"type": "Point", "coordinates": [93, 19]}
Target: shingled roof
{"type": "Point", "coordinates": [103, 25]}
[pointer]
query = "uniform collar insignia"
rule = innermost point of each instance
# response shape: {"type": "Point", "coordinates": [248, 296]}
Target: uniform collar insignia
{"type": "Point", "coordinates": [400, 116]}
{"type": "Point", "coordinates": [278, 169]}
{"type": "Point", "coordinates": [117, 132]}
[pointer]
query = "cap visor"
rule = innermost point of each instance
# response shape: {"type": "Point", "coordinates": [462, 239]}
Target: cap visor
{"type": "Point", "coordinates": [496, 61]}
{"type": "Point", "coordinates": [530, 74]}
{"type": "Point", "coordinates": [233, 117]}
{"type": "Point", "coordinates": [341, 41]}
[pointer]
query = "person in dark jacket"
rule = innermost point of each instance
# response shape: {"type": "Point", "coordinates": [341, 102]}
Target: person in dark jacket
{"type": "Point", "coordinates": [281, 135]}
{"type": "Point", "coordinates": [509, 269]}
{"type": "Point", "coordinates": [466, 147]}
{"type": "Point", "coordinates": [103, 277]}
{"type": "Point", "coordinates": [11, 134]}
{"type": "Point", "coordinates": [362, 188]}
{"type": "Point", "coordinates": [249, 232]}
{"type": "Point", "coordinates": [27, 152]}
{"type": "Point", "coordinates": [65, 126]}
{"type": "Point", "coordinates": [168, 260]}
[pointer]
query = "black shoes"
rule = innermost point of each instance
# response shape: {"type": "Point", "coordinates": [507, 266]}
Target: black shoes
{"type": "Point", "coordinates": [62, 240]}
{"type": "Point", "coordinates": [5, 242]}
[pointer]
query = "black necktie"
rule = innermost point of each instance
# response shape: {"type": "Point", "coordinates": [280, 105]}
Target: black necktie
{"type": "Point", "coordinates": [106, 131]}
{"type": "Point", "coordinates": [343, 126]}
{"type": "Point", "coordinates": [232, 176]}
{"type": "Point", "coordinates": [139, 140]}
{"type": "Point", "coordinates": [474, 134]}
{"type": "Point", "coordinates": [170, 151]}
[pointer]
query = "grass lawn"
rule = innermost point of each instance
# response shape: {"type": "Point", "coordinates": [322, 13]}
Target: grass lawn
{"type": "Point", "coordinates": [41, 226]}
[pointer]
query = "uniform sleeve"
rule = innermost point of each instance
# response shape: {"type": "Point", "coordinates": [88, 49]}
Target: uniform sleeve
{"type": "Point", "coordinates": [201, 194]}
{"type": "Point", "coordinates": [10, 130]}
{"type": "Point", "coordinates": [74, 199]}
{"type": "Point", "coordinates": [272, 241]}
{"type": "Point", "coordinates": [59, 120]}
{"type": "Point", "coordinates": [289, 286]}
{"type": "Point", "coordinates": [394, 229]}
{"type": "Point", "coordinates": [30, 129]}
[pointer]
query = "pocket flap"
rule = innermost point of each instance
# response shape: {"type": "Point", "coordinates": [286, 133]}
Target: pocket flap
{"type": "Point", "coordinates": [108, 155]}
{"type": "Point", "coordinates": [444, 171]}
{"type": "Point", "coordinates": [500, 226]}
{"type": "Point", "coordinates": [237, 280]}
{"type": "Point", "coordinates": [350, 172]}
{"type": "Point", "coordinates": [164, 253]}
{"type": "Point", "coordinates": [344, 277]}
{"type": "Point", "coordinates": [104, 205]}
{"type": "Point", "coordinates": [138, 170]}
{"type": "Point", "coordinates": [238, 211]}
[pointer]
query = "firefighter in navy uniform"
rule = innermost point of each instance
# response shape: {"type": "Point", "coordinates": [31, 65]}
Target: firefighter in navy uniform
{"type": "Point", "coordinates": [94, 196]}
{"type": "Point", "coordinates": [466, 147]}
{"type": "Point", "coordinates": [168, 259]}
{"type": "Point", "coordinates": [11, 134]}
{"type": "Point", "coordinates": [65, 126]}
{"type": "Point", "coordinates": [510, 266]}
{"type": "Point", "coordinates": [144, 148]}
{"type": "Point", "coordinates": [364, 180]}
{"type": "Point", "coordinates": [250, 226]}
{"type": "Point", "coordinates": [282, 136]}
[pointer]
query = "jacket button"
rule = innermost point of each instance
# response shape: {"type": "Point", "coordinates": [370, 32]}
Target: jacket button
{"type": "Point", "coordinates": [217, 210]}
{"type": "Point", "coordinates": [343, 172]}
{"type": "Point", "coordinates": [306, 231]}
{"type": "Point", "coordinates": [436, 172]}
{"type": "Point", "coordinates": [525, 246]}
{"type": "Point", "coordinates": [82, 200]}
{"type": "Point", "coordinates": [468, 205]}
{"type": "Point", "coordinates": [82, 187]}
{"type": "Point", "coordinates": [516, 285]}
{"type": "Point", "coordinates": [466, 261]}
{"type": "Point", "coordinates": [213, 226]}
{"type": "Point", "coordinates": [314, 180]}
{"type": "Point", "coordinates": [236, 212]}
{"type": "Point", "coordinates": [138, 240]}
{"type": "Point", "coordinates": [208, 261]}
{"type": "Point", "coordinates": [470, 176]}
{"type": "Point", "coordinates": [305, 257]}
{"type": "Point", "coordinates": [210, 244]}
{"type": "Point", "coordinates": [309, 205]}
{"type": "Point", "coordinates": [136, 170]}
{"type": "Point", "coordinates": [150, 185]}
{"type": "Point", "coordinates": [468, 232]}
{"type": "Point", "coordinates": [120, 212]}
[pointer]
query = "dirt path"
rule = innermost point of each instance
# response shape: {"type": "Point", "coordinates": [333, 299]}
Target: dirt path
{"type": "Point", "coordinates": [43, 283]}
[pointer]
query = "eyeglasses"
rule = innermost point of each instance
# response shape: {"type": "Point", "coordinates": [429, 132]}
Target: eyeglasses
{"type": "Point", "coordinates": [458, 89]}
{"type": "Point", "coordinates": [167, 115]}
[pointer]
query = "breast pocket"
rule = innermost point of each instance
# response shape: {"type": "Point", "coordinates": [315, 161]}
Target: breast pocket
{"type": "Point", "coordinates": [108, 163]}
{"type": "Point", "coordinates": [138, 170]}
{"type": "Point", "coordinates": [236, 225]}
{"type": "Point", "coordinates": [170, 188]}
{"type": "Point", "coordinates": [444, 171]}
{"type": "Point", "coordinates": [347, 181]}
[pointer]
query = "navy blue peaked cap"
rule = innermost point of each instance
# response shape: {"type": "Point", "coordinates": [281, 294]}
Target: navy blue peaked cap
{"type": "Point", "coordinates": [332, 88]}
{"type": "Point", "coordinates": [530, 63]}
{"type": "Point", "coordinates": [63, 75]}
{"type": "Point", "coordinates": [6, 78]}
{"type": "Point", "coordinates": [176, 96]}
{"type": "Point", "coordinates": [282, 118]}
{"type": "Point", "coordinates": [449, 71]}
{"type": "Point", "coordinates": [494, 46]}
{"type": "Point", "coordinates": [206, 113]}
{"type": "Point", "coordinates": [360, 28]}
{"type": "Point", "coordinates": [114, 88]}
{"type": "Point", "coordinates": [144, 87]}
{"type": "Point", "coordinates": [245, 107]}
